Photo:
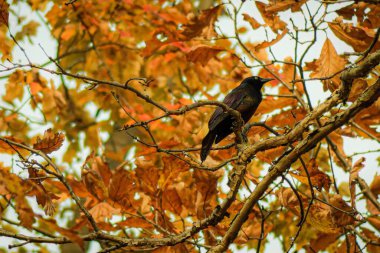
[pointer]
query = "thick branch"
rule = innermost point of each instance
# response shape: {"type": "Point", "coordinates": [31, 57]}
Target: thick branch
{"type": "Point", "coordinates": [365, 100]}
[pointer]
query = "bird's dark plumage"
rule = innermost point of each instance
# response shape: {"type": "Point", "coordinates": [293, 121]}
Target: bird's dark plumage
{"type": "Point", "coordinates": [245, 99]}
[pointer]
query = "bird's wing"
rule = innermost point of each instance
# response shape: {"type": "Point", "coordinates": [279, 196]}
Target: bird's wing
{"type": "Point", "coordinates": [233, 100]}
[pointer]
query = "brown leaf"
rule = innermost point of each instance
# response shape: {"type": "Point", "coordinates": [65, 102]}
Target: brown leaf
{"type": "Point", "coordinates": [136, 222]}
{"type": "Point", "coordinates": [266, 44]}
{"type": "Point", "coordinates": [341, 218]}
{"type": "Point", "coordinates": [98, 164]}
{"type": "Point", "coordinates": [337, 140]}
{"type": "Point", "coordinates": [202, 54]}
{"type": "Point", "coordinates": [24, 211]}
{"type": "Point", "coordinates": [327, 219]}
{"type": "Point", "coordinates": [288, 199]}
{"type": "Point", "coordinates": [15, 86]}
{"type": "Point", "coordinates": [4, 12]}
{"type": "Point", "coordinates": [353, 247]}
{"type": "Point", "coordinates": [270, 155]}
{"type": "Point", "coordinates": [375, 222]}
{"type": "Point", "coordinates": [94, 184]}
{"type": "Point", "coordinates": [357, 37]}
{"type": "Point", "coordinates": [52, 226]}
{"type": "Point", "coordinates": [202, 25]}
{"type": "Point", "coordinates": [329, 63]}
{"type": "Point", "coordinates": [354, 174]}
{"type": "Point", "coordinates": [122, 187]}
{"type": "Point", "coordinates": [318, 178]}
{"type": "Point", "coordinates": [270, 18]}
{"type": "Point", "coordinates": [322, 241]}
{"type": "Point", "coordinates": [277, 6]}
{"type": "Point", "coordinates": [370, 235]}
{"type": "Point", "coordinates": [103, 211]}
{"type": "Point", "coordinates": [12, 149]}
{"type": "Point", "coordinates": [252, 21]}
{"type": "Point", "coordinates": [375, 185]}
{"type": "Point", "coordinates": [358, 86]}
{"type": "Point", "coordinates": [367, 119]}
{"type": "Point", "coordinates": [50, 142]}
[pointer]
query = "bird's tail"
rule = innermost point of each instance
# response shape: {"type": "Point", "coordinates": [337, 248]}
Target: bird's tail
{"type": "Point", "coordinates": [206, 144]}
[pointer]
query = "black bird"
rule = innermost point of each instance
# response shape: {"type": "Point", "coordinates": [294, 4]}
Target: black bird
{"type": "Point", "coordinates": [245, 99]}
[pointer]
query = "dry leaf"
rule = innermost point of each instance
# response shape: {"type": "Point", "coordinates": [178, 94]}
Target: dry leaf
{"type": "Point", "coordinates": [50, 142]}
{"type": "Point", "coordinates": [357, 37]}
{"type": "Point", "coordinates": [4, 12]}
{"type": "Point", "coordinates": [270, 18]}
{"type": "Point", "coordinates": [318, 179]}
{"type": "Point", "coordinates": [94, 184]}
{"type": "Point", "coordinates": [103, 211]}
{"type": "Point", "coordinates": [202, 25]}
{"type": "Point", "coordinates": [202, 54]}
{"type": "Point", "coordinates": [329, 63]}
{"type": "Point", "coordinates": [252, 21]}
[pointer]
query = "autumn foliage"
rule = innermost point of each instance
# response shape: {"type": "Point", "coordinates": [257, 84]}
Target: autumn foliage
{"type": "Point", "coordinates": [100, 132]}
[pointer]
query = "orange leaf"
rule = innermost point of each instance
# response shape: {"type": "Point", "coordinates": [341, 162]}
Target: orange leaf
{"type": "Point", "coordinates": [202, 54]}
{"type": "Point", "coordinates": [358, 86]}
{"type": "Point", "coordinates": [352, 248]}
{"type": "Point", "coordinates": [122, 187]}
{"type": "Point", "coordinates": [318, 178]}
{"type": "Point", "coordinates": [25, 212]}
{"type": "Point", "coordinates": [269, 155]}
{"type": "Point", "coordinates": [202, 25]}
{"type": "Point", "coordinates": [374, 221]}
{"type": "Point", "coordinates": [253, 22]}
{"type": "Point", "coordinates": [270, 18]}
{"type": "Point", "coordinates": [103, 211]}
{"type": "Point", "coordinates": [50, 142]}
{"type": "Point", "coordinates": [70, 233]}
{"type": "Point", "coordinates": [266, 44]}
{"type": "Point", "coordinates": [375, 185]}
{"type": "Point", "coordinates": [329, 63]}
{"type": "Point", "coordinates": [94, 184]}
{"type": "Point", "coordinates": [11, 149]}
{"type": "Point", "coordinates": [276, 6]}
{"type": "Point", "coordinates": [357, 37]}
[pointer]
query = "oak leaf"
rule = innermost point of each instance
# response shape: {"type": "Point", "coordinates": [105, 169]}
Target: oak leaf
{"type": "Point", "coordinates": [50, 141]}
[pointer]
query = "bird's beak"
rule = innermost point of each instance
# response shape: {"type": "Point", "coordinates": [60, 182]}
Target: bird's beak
{"type": "Point", "coordinates": [265, 80]}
